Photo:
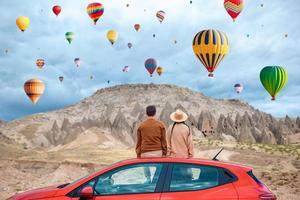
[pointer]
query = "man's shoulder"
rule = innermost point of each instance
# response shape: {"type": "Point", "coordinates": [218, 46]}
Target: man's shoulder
{"type": "Point", "coordinates": [161, 123]}
{"type": "Point", "coordinates": [140, 124]}
{"type": "Point", "coordinates": [143, 123]}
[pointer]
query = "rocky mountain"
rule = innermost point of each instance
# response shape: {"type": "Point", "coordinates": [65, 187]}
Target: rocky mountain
{"type": "Point", "coordinates": [1, 122]}
{"type": "Point", "coordinates": [116, 111]}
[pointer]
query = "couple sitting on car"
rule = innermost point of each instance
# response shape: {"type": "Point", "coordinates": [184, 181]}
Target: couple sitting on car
{"type": "Point", "coordinates": [154, 141]}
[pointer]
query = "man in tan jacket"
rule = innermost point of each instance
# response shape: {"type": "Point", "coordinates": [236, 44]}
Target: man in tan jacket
{"type": "Point", "coordinates": [151, 136]}
{"type": "Point", "coordinates": [179, 137]}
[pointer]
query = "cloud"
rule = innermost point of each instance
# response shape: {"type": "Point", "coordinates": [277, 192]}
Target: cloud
{"type": "Point", "coordinates": [266, 45]}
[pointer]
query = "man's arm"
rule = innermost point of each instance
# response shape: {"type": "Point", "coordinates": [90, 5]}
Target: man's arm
{"type": "Point", "coordinates": [138, 144]}
{"type": "Point", "coordinates": [164, 141]}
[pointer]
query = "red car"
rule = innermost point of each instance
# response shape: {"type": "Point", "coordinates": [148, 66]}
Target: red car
{"type": "Point", "coordinates": [160, 179]}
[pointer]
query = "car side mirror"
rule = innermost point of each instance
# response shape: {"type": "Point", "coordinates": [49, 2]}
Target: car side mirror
{"type": "Point", "coordinates": [87, 192]}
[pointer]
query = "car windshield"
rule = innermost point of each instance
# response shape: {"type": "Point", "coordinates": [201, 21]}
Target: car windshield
{"type": "Point", "coordinates": [77, 181]}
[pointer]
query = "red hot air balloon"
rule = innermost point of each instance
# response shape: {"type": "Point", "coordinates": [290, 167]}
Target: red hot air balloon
{"type": "Point", "coordinates": [150, 65]}
{"type": "Point", "coordinates": [234, 7]}
{"type": "Point", "coordinates": [56, 10]}
{"type": "Point", "coordinates": [95, 11]}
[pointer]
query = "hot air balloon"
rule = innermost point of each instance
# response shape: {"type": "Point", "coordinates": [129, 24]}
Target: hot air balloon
{"type": "Point", "coordinates": [137, 27]}
{"type": "Point", "coordinates": [34, 88]}
{"type": "Point", "coordinates": [191, 2]}
{"type": "Point", "coordinates": [56, 10]}
{"type": "Point", "coordinates": [23, 23]}
{"type": "Point", "coordinates": [160, 16]}
{"type": "Point", "coordinates": [95, 11]}
{"type": "Point", "coordinates": [112, 36]}
{"type": "Point", "coordinates": [40, 63]}
{"type": "Point", "coordinates": [273, 78]}
{"type": "Point", "coordinates": [153, 35]}
{"type": "Point", "coordinates": [151, 65]}
{"type": "Point", "coordinates": [210, 47]}
{"type": "Point", "coordinates": [129, 45]}
{"type": "Point", "coordinates": [160, 70]}
{"type": "Point", "coordinates": [125, 69]}
{"type": "Point", "coordinates": [127, 5]}
{"type": "Point", "coordinates": [70, 36]}
{"type": "Point", "coordinates": [175, 41]}
{"type": "Point", "coordinates": [234, 7]}
{"type": "Point", "coordinates": [77, 62]}
{"type": "Point", "coordinates": [6, 51]}
{"type": "Point", "coordinates": [61, 78]}
{"type": "Point", "coordinates": [238, 88]}
{"type": "Point", "coordinates": [108, 81]}
{"type": "Point", "coordinates": [91, 77]}
{"type": "Point", "coordinates": [286, 35]}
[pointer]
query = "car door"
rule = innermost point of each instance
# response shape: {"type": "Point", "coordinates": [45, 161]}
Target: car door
{"type": "Point", "coordinates": [142, 181]}
{"type": "Point", "coordinates": [192, 181]}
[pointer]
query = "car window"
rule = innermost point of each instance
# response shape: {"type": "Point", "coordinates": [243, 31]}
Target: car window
{"type": "Point", "coordinates": [189, 177]}
{"type": "Point", "coordinates": [76, 193]}
{"type": "Point", "coordinates": [250, 173]}
{"type": "Point", "coordinates": [131, 179]}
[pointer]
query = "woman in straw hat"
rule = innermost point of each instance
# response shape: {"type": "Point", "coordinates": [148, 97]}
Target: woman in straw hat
{"type": "Point", "coordinates": [179, 136]}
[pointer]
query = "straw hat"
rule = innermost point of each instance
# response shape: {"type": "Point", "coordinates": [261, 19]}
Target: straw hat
{"type": "Point", "coordinates": [178, 116]}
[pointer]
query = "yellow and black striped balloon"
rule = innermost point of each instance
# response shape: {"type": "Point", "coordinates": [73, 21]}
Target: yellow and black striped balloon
{"type": "Point", "coordinates": [210, 47]}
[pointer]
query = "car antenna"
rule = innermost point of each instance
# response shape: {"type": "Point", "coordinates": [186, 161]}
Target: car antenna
{"type": "Point", "coordinates": [215, 158]}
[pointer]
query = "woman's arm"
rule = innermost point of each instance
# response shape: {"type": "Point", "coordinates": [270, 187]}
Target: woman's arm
{"type": "Point", "coordinates": [190, 144]}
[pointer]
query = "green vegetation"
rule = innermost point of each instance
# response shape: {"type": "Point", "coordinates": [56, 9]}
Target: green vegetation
{"type": "Point", "coordinates": [272, 149]}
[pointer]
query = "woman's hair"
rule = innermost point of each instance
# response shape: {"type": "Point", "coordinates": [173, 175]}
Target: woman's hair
{"type": "Point", "coordinates": [179, 123]}
{"type": "Point", "coordinates": [173, 129]}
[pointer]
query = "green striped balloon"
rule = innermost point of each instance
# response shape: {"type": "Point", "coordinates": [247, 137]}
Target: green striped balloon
{"type": "Point", "coordinates": [273, 78]}
{"type": "Point", "coordinates": [70, 36]}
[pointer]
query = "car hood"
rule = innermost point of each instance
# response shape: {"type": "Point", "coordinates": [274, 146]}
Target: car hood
{"type": "Point", "coordinates": [39, 193]}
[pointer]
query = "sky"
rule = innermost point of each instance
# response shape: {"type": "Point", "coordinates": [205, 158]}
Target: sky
{"type": "Point", "coordinates": [266, 45]}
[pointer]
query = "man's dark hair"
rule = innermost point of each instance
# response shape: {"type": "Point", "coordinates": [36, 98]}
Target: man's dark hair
{"type": "Point", "coordinates": [151, 111]}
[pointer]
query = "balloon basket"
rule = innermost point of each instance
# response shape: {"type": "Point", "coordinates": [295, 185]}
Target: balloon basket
{"type": "Point", "coordinates": [210, 75]}
{"type": "Point", "coordinates": [273, 99]}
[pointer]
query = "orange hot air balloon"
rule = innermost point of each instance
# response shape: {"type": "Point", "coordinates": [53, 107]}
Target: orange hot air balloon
{"type": "Point", "coordinates": [160, 70]}
{"type": "Point", "coordinates": [137, 27]}
{"type": "Point", "coordinates": [22, 23]}
{"type": "Point", "coordinates": [34, 88]}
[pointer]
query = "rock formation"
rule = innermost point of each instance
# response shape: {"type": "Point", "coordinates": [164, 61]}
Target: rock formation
{"type": "Point", "coordinates": [118, 111]}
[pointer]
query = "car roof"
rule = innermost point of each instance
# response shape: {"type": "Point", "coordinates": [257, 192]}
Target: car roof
{"type": "Point", "coordinates": [222, 164]}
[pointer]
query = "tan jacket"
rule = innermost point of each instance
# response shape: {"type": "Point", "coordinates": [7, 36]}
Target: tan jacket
{"type": "Point", "coordinates": [151, 136]}
{"type": "Point", "coordinates": [180, 142]}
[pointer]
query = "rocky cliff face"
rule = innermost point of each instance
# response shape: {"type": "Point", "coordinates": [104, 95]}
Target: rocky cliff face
{"type": "Point", "coordinates": [118, 110]}
{"type": "Point", "coordinates": [1, 122]}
